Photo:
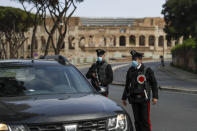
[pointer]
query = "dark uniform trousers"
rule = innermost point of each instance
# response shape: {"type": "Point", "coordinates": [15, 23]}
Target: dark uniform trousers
{"type": "Point", "coordinates": [141, 113]}
{"type": "Point", "coordinates": [141, 109]}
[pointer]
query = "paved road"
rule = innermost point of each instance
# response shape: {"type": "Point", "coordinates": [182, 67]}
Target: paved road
{"type": "Point", "coordinates": [164, 77]}
{"type": "Point", "coordinates": [174, 112]}
{"type": "Point", "coordinates": [84, 70]}
{"type": "Point", "coordinates": [120, 74]}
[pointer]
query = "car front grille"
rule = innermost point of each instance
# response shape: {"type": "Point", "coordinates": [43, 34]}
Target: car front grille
{"type": "Point", "coordinates": [90, 125]}
{"type": "Point", "coordinates": [99, 125]}
{"type": "Point", "coordinates": [46, 128]}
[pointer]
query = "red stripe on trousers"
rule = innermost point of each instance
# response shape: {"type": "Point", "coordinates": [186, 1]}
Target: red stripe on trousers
{"type": "Point", "coordinates": [149, 114]}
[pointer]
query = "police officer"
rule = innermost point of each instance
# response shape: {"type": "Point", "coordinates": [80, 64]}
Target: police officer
{"type": "Point", "coordinates": [100, 73]}
{"type": "Point", "coordinates": [139, 83]}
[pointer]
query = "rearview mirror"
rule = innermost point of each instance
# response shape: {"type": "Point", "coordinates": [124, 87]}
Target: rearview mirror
{"type": "Point", "coordinates": [103, 90]}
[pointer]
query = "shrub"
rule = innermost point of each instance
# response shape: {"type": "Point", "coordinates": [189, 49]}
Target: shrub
{"type": "Point", "coordinates": [188, 45]}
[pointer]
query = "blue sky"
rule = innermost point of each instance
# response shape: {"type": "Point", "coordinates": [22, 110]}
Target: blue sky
{"type": "Point", "coordinates": [112, 8]}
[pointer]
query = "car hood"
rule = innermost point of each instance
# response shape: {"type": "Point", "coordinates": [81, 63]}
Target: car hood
{"type": "Point", "coordinates": [56, 108]}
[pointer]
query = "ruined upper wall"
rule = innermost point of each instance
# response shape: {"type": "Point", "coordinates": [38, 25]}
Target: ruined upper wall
{"type": "Point", "coordinates": [107, 21]}
{"type": "Point", "coordinates": [144, 22]}
{"type": "Point", "coordinates": [148, 22]}
{"type": "Point", "coordinates": [74, 21]}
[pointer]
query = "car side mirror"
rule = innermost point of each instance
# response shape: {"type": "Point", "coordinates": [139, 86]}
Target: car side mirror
{"type": "Point", "coordinates": [103, 90]}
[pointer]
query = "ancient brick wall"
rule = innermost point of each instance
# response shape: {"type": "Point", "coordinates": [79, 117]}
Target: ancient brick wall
{"type": "Point", "coordinates": [185, 60]}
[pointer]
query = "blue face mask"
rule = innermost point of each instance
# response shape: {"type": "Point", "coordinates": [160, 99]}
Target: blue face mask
{"type": "Point", "coordinates": [99, 59]}
{"type": "Point", "coordinates": [134, 64]}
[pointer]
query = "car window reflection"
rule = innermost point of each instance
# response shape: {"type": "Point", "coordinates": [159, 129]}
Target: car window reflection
{"type": "Point", "coordinates": [41, 81]}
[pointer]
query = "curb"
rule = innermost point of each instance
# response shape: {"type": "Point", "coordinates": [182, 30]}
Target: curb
{"type": "Point", "coordinates": [172, 89]}
{"type": "Point", "coordinates": [115, 67]}
{"type": "Point", "coordinates": [83, 65]}
{"type": "Point", "coordinates": [119, 66]}
{"type": "Point", "coordinates": [80, 66]}
{"type": "Point", "coordinates": [117, 83]}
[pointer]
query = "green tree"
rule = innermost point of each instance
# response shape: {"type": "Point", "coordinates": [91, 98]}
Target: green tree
{"type": "Point", "coordinates": [38, 7]}
{"type": "Point", "coordinates": [181, 18]}
{"type": "Point", "coordinates": [14, 23]}
{"type": "Point", "coordinates": [60, 12]}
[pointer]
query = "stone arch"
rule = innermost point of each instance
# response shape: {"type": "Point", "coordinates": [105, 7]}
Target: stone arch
{"type": "Point", "coordinates": [28, 47]}
{"type": "Point", "coordinates": [71, 44]}
{"type": "Point", "coordinates": [169, 43]}
{"type": "Point", "coordinates": [177, 41]}
{"type": "Point", "coordinates": [50, 45]}
{"type": "Point", "coordinates": [43, 43]}
{"type": "Point", "coordinates": [82, 42]}
{"type": "Point", "coordinates": [122, 41]}
{"type": "Point", "coordinates": [142, 40]}
{"type": "Point", "coordinates": [91, 41]}
{"type": "Point", "coordinates": [36, 43]}
{"type": "Point", "coordinates": [132, 40]}
{"type": "Point", "coordinates": [161, 41]}
{"type": "Point", "coordinates": [103, 41]}
{"type": "Point", "coordinates": [151, 40]}
{"type": "Point", "coordinates": [112, 40]}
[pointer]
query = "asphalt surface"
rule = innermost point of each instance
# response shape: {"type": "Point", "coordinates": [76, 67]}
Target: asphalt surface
{"type": "Point", "coordinates": [166, 77]}
{"type": "Point", "coordinates": [174, 111]}
{"type": "Point", "coordinates": [85, 69]}
{"type": "Point", "coordinates": [120, 74]}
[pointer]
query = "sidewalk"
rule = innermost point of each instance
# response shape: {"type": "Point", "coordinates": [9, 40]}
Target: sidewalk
{"type": "Point", "coordinates": [175, 79]}
{"type": "Point", "coordinates": [169, 78]}
{"type": "Point", "coordinates": [181, 74]}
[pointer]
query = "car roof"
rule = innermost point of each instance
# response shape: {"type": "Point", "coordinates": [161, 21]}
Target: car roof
{"type": "Point", "coordinates": [29, 62]}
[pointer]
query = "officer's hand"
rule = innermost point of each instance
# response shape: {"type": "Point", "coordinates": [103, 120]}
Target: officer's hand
{"type": "Point", "coordinates": [154, 101]}
{"type": "Point", "coordinates": [98, 84]}
{"type": "Point", "coordinates": [124, 102]}
{"type": "Point", "coordinates": [94, 75]}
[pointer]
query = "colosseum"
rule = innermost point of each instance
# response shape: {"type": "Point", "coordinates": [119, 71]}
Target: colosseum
{"type": "Point", "coordinates": [115, 35]}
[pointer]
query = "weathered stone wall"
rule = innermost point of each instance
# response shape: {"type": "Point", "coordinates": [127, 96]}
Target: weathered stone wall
{"type": "Point", "coordinates": [116, 36]}
{"type": "Point", "coordinates": [185, 60]}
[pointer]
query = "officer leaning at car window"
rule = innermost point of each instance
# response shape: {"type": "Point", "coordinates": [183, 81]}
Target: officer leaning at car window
{"type": "Point", "coordinates": [139, 83]}
{"type": "Point", "coordinates": [100, 73]}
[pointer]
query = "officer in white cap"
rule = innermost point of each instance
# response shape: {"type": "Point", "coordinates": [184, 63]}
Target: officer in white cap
{"type": "Point", "coordinates": [139, 83]}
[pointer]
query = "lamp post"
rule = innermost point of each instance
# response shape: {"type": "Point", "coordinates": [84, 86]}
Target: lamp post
{"type": "Point", "coordinates": [162, 61]}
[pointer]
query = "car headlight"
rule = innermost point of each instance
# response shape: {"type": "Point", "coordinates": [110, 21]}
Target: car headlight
{"type": "Point", "coordinates": [118, 123]}
{"type": "Point", "coordinates": [4, 127]}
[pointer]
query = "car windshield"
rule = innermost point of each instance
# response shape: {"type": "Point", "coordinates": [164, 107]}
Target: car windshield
{"type": "Point", "coordinates": [22, 81]}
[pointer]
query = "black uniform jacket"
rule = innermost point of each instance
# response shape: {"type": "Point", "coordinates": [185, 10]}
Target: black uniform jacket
{"type": "Point", "coordinates": [149, 75]}
{"type": "Point", "coordinates": [108, 70]}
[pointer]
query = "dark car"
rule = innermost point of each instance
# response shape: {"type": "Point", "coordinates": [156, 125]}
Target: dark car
{"type": "Point", "coordinates": [52, 95]}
